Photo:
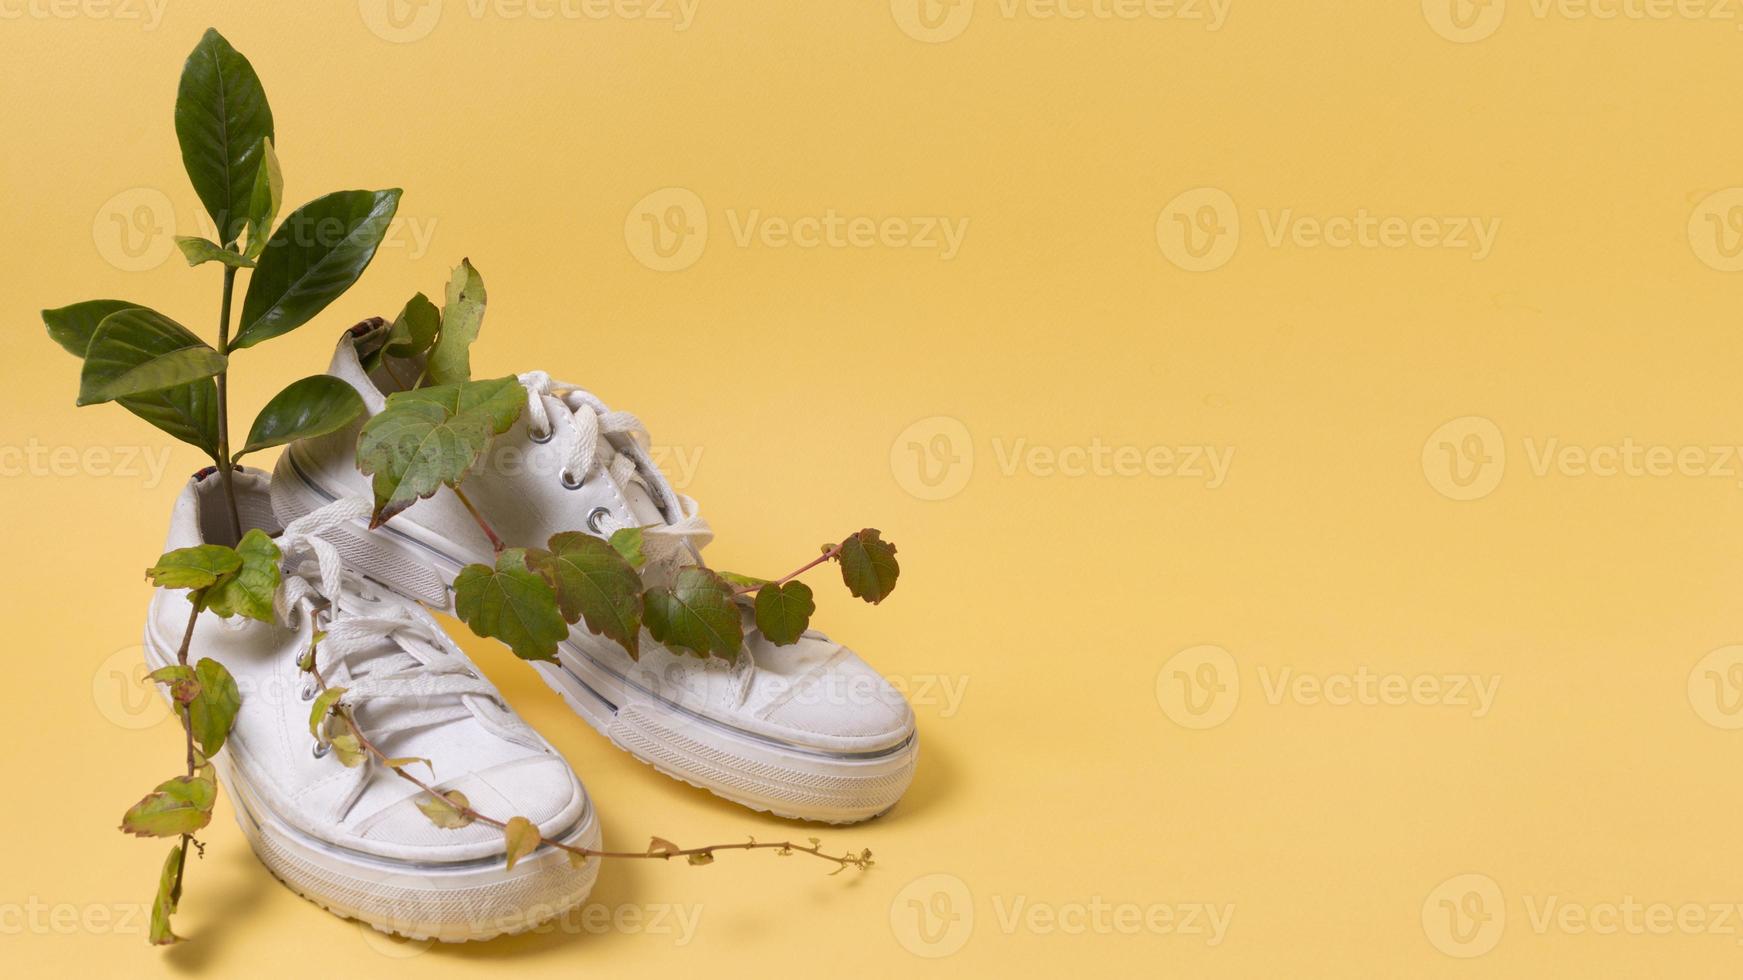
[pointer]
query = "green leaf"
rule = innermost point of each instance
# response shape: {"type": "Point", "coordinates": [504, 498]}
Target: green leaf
{"type": "Point", "coordinates": [183, 685]}
{"type": "Point", "coordinates": [783, 611]}
{"type": "Point", "coordinates": [319, 711]}
{"type": "Point", "coordinates": [415, 329]}
{"type": "Point", "coordinates": [513, 603]}
{"type": "Point", "coordinates": [594, 583]}
{"type": "Point", "coordinates": [429, 437]}
{"type": "Point", "coordinates": [264, 200]}
{"type": "Point", "coordinates": [868, 565]}
{"type": "Point", "coordinates": [138, 350]}
{"type": "Point", "coordinates": [178, 806]}
{"type": "Point", "coordinates": [400, 762]}
{"type": "Point", "coordinates": [187, 412]}
{"type": "Point", "coordinates": [221, 118]}
{"type": "Point", "coordinates": [696, 613]}
{"type": "Point", "coordinates": [311, 407]}
{"type": "Point", "coordinates": [213, 712]}
{"type": "Point", "coordinates": [250, 590]}
{"type": "Point", "coordinates": [73, 326]}
{"type": "Point", "coordinates": [521, 838]}
{"type": "Point", "coordinates": [451, 358]}
{"type": "Point", "coordinates": [744, 581]}
{"type": "Point", "coordinates": [164, 904]}
{"type": "Point", "coordinates": [194, 568]}
{"type": "Point", "coordinates": [199, 251]}
{"type": "Point", "coordinates": [628, 542]}
{"type": "Point", "coordinates": [311, 259]}
{"type": "Point", "coordinates": [446, 811]}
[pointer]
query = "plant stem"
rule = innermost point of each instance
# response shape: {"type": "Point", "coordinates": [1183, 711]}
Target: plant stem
{"type": "Point", "coordinates": [225, 466]}
{"type": "Point", "coordinates": [484, 525]}
{"type": "Point", "coordinates": [795, 573]}
{"type": "Point", "coordinates": [188, 729]}
{"type": "Point", "coordinates": [848, 860]}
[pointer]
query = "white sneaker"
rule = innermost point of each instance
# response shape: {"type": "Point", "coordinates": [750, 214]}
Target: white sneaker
{"type": "Point", "coordinates": [808, 730]}
{"type": "Point", "coordinates": [352, 840]}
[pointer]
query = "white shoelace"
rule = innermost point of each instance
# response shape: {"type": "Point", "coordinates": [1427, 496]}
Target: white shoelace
{"type": "Point", "coordinates": [398, 669]}
{"type": "Point", "coordinates": [585, 443]}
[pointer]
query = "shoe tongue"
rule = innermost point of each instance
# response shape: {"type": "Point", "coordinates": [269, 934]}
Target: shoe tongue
{"type": "Point", "coordinates": [641, 505]}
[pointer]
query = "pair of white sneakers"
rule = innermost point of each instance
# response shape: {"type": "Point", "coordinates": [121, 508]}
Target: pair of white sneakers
{"type": "Point", "coordinates": [806, 730]}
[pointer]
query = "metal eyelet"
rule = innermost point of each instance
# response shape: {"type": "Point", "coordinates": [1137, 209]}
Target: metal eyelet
{"type": "Point", "coordinates": [307, 693]}
{"type": "Point", "coordinates": [597, 518]}
{"type": "Point", "coordinates": [570, 482]}
{"type": "Point", "coordinates": [321, 750]}
{"type": "Point", "coordinates": [541, 437]}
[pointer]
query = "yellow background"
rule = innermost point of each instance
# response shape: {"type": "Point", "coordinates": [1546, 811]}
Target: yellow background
{"type": "Point", "coordinates": [1067, 772]}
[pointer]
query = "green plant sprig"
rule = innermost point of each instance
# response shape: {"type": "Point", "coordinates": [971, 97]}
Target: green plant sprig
{"type": "Point", "coordinates": [433, 436]}
{"type": "Point", "coordinates": [163, 372]}
{"type": "Point", "coordinates": [226, 581]}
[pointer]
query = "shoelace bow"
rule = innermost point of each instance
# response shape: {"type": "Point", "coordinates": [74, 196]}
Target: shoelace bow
{"type": "Point", "coordinates": [397, 668]}
{"type": "Point", "coordinates": [584, 439]}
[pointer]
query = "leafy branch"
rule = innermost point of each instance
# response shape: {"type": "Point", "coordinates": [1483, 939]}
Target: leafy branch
{"type": "Point", "coordinates": [226, 581]}
{"type": "Point", "coordinates": [435, 436]}
{"type": "Point", "coordinates": [154, 367]}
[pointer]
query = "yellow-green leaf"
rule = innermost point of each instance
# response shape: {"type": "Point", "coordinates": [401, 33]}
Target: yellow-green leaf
{"type": "Point", "coordinates": [521, 838]}
{"type": "Point", "coordinates": [447, 811]}
{"type": "Point", "coordinates": [322, 707]}
{"type": "Point", "coordinates": [178, 806]}
{"type": "Point", "coordinates": [164, 904]}
{"type": "Point", "coordinates": [213, 712]}
{"type": "Point", "coordinates": [249, 592]}
{"type": "Point", "coordinates": [451, 359]}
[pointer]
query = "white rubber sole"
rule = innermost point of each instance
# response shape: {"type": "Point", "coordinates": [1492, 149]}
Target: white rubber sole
{"type": "Point", "coordinates": [765, 774]}
{"type": "Point", "coordinates": [448, 902]}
